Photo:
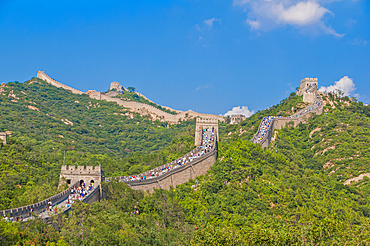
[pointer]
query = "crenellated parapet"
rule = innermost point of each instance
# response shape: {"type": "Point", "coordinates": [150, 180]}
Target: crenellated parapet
{"type": "Point", "coordinates": [73, 174]}
{"type": "Point", "coordinates": [308, 89]}
{"type": "Point", "coordinates": [307, 84]}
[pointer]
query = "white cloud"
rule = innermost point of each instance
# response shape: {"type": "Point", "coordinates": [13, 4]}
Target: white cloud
{"type": "Point", "coordinates": [209, 22]}
{"type": "Point", "coordinates": [303, 13]}
{"type": "Point", "coordinates": [270, 14]}
{"type": "Point", "coordinates": [240, 110]}
{"type": "Point", "coordinates": [254, 24]}
{"type": "Point", "coordinates": [345, 84]}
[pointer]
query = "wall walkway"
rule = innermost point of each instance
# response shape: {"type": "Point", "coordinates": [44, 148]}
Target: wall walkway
{"type": "Point", "coordinates": [59, 200]}
{"type": "Point", "coordinates": [278, 122]}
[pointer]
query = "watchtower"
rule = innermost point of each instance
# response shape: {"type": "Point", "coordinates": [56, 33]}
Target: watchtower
{"type": "Point", "coordinates": [307, 84]}
{"type": "Point", "coordinates": [204, 124]}
{"type": "Point", "coordinates": [236, 118]}
{"type": "Point", "coordinates": [3, 137]}
{"type": "Point", "coordinates": [114, 85]}
{"type": "Point", "coordinates": [308, 89]}
{"type": "Point", "coordinates": [72, 175]}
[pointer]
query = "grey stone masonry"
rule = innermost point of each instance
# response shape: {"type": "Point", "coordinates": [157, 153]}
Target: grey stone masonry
{"type": "Point", "coordinates": [38, 207]}
{"type": "Point", "coordinates": [73, 174]}
{"type": "Point", "coordinates": [306, 84]}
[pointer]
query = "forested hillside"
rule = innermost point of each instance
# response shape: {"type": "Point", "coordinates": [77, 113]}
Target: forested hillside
{"type": "Point", "coordinates": [44, 122]}
{"type": "Point", "coordinates": [291, 193]}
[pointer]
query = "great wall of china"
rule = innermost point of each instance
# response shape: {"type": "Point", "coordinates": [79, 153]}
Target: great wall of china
{"type": "Point", "coordinates": [171, 178]}
{"type": "Point", "coordinates": [180, 173]}
{"type": "Point", "coordinates": [141, 108]}
{"type": "Point", "coordinates": [269, 124]}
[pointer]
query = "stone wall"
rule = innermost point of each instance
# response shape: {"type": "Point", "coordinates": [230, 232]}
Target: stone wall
{"type": "Point", "coordinates": [202, 124]}
{"type": "Point", "coordinates": [94, 196]}
{"type": "Point", "coordinates": [141, 108]}
{"type": "Point", "coordinates": [155, 113]}
{"type": "Point", "coordinates": [307, 83]}
{"type": "Point", "coordinates": [74, 175]}
{"type": "Point", "coordinates": [43, 76]}
{"type": "Point", "coordinates": [114, 85]}
{"type": "Point", "coordinates": [38, 207]}
{"type": "Point", "coordinates": [177, 176]}
{"type": "Point", "coordinates": [279, 123]}
{"type": "Point", "coordinates": [236, 119]}
{"type": "Point", "coordinates": [3, 137]}
{"type": "Point", "coordinates": [309, 97]}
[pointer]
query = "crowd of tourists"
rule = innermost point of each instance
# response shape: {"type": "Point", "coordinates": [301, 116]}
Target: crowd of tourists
{"type": "Point", "coordinates": [78, 193]}
{"type": "Point", "coordinates": [11, 218]}
{"type": "Point", "coordinates": [266, 123]}
{"type": "Point", "coordinates": [264, 128]}
{"type": "Point", "coordinates": [207, 144]}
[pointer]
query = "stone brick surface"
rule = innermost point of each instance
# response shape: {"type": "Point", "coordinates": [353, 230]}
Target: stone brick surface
{"type": "Point", "coordinates": [73, 174]}
{"type": "Point", "coordinates": [177, 176]}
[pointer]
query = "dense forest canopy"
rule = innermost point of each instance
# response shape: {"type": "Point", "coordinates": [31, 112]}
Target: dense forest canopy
{"type": "Point", "coordinates": [292, 193]}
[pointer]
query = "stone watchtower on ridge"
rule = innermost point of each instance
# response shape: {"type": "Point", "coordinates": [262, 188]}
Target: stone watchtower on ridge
{"type": "Point", "coordinates": [117, 86]}
{"type": "Point", "coordinates": [308, 89]}
{"type": "Point", "coordinates": [71, 175]}
{"type": "Point", "coordinates": [3, 137]}
{"type": "Point", "coordinates": [203, 124]}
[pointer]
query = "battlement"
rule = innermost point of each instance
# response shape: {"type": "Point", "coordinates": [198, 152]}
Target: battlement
{"type": "Point", "coordinates": [80, 169]}
{"type": "Point", "coordinates": [309, 80]}
{"type": "Point", "coordinates": [308, 86]}
{"type": "Point", "coordinates": [207, 120]}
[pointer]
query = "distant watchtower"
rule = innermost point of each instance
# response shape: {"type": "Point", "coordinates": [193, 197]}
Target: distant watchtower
{"type": "Point", "coordinates": [72, 175]}
{"type": "Point", "coordinates": [3, 137]}
{"type": "Point", "coordinates": [204, 124]}
{"type": "Point", "coordinates": [308, 89]}
{"type": "Point", "coordinates": [114, 85]}
{"type": "Point", "coordinates": [306, 84]}
{"type": "Point", "coordinates": [117, 86]}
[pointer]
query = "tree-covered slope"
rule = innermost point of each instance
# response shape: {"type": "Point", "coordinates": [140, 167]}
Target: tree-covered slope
{"type": "Point", "coordinates": [289, 193]}
{"type": "Point", "coordinates": [286, 194]}
{"type": "Point", "coordinates": [43, 121]}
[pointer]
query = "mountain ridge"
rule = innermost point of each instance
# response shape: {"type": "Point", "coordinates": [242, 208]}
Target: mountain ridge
{"type": "Point", "coordinates": [137, 107]}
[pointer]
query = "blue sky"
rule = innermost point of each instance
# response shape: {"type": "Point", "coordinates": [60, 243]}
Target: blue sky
{"type": "Point", "coordinates": [208, 56]}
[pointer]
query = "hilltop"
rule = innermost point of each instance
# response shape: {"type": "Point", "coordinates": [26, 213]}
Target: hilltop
{"type": "Point", "coordinates": [296, 191]}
